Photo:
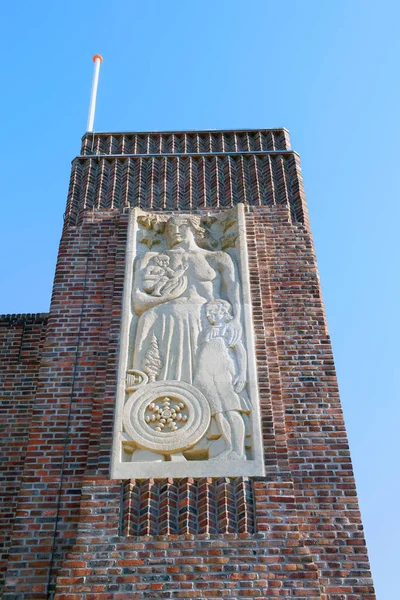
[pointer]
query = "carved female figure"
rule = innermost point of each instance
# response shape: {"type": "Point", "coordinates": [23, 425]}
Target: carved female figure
{"type": "Point", "coordinates": [176, 317]}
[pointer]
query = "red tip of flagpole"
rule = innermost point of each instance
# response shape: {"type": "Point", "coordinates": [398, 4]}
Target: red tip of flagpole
{"type": "Point", "coordinates": [97, 56]}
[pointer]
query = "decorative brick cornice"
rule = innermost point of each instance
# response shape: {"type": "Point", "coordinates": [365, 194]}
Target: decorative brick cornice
{"type": "Point", "coordinates": [187, 142]}
{"type": "Point", "coordinates": [185, 171]}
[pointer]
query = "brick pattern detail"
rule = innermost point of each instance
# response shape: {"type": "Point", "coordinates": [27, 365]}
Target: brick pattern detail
{"type": "Point", "coordinates": [104, 565]}
{"type": "Point", "coordinates": [171, 506]}
{"type": "Point", "coordinates": [216, 174]}
{"type": "Point", "coordinates": [296, 532]}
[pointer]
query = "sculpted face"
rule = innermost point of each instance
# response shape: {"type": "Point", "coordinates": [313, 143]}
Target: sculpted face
{"type": "Point", "coordinates": [177, 231]}
{"type": "Point", "coordinates": [181, 229]}
{"type": "Point", "coordinates": [161, 260]}
{"type": "Point", "coordinates": [218, 312]}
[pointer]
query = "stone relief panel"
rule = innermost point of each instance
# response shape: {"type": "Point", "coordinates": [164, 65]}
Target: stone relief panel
{"type": "Point", "coordinates": [187, 400]}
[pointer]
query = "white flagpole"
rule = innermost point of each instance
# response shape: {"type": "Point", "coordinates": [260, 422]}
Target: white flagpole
{"type": "Point", "coordinates": [97, 59]}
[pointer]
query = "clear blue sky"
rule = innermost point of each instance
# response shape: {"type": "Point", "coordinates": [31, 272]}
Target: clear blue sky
{"type": "Point", "coordinates": [328, 71]}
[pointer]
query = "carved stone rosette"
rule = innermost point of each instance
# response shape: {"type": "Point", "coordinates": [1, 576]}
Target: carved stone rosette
{"type": "Point", "coordinates": [166, 417]}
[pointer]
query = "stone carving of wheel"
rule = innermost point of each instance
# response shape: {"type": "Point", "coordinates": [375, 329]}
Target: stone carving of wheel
{"type": "Point", "coordinates": [166, 416]}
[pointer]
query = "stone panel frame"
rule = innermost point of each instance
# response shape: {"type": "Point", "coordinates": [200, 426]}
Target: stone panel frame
{"type": "Point", "coordinates": [193, 468]}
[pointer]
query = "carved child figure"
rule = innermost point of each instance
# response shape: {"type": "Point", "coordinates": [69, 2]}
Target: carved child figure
{"type": "Point", "coordinates": [159, 278]}
{"type": "Point", "coordinates": [221, 376]}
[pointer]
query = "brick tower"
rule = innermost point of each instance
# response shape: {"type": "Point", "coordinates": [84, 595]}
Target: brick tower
{"type": "Point", "coordinates": [172, 428]}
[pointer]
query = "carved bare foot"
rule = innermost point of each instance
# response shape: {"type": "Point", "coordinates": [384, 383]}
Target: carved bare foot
{"type": "Point", "coordinates": [237, 456]}
{"type": "Point", "coordinates": [229, 455]}
{"type": "Point", "coordinates": [222, 455]}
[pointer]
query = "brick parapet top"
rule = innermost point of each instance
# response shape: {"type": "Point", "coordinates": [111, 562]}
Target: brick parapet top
{"type": "Point", "coordinates": [23, 317]}
{"type": "Point", "coordinates": [186, 142]}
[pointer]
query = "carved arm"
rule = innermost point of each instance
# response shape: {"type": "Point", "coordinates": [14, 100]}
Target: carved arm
{"type": "Point", "coordinates": [229, 279]}
{"type": "Point", "coordinates": [240, 380]}
{"type": "Point", "coordinates": [143, 301]}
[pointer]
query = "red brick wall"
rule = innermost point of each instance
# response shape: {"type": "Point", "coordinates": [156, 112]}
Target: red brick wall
{"type": "Point", "coordinates": [77, 530]}
{"type": "Point", "coordinates": [70, 417]}
{"type": "Point", "coordinates": [21, 342]}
